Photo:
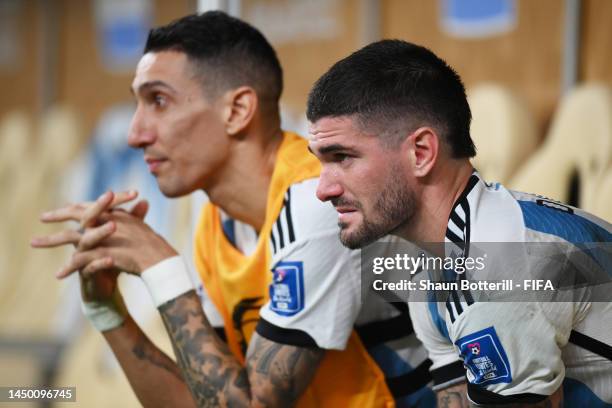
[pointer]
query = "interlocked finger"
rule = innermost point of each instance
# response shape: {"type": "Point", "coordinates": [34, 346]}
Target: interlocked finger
{"type": "Point", "coordinates": [57, 239]}
{"type": "Point", "coordinates": [87, 210]}
{"type": "Point", "coordinates": [105, 202]}
{"type": "Point", "coordinates": [79, 260]}
{"type": "Point", "coordinates": [140, 209]}
{"type": "Point", "coordinates": [97, 265]}
{"type": "Point", "coordinates": [123, 197]}
{"type": "Point", "coordinates": [92, 237]}
{"type": "Point", "coordinates": [72, 212]}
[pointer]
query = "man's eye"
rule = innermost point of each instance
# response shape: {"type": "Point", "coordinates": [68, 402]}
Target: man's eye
{"type": "Point", "coordinates": [159, 100]}
{"type": "Point", "coordinates": [340, 157]}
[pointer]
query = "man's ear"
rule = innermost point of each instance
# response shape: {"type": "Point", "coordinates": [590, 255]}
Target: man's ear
{"type": "Point", "coordinates": [240, 107]}
{"type": "Point", "coordinates": [422, 148]}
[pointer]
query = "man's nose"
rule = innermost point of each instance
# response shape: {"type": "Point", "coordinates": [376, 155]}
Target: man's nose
{"type": "Point", "coordinates": [141, 133]}
{"type": "Point", "coordinates": [329, 186]}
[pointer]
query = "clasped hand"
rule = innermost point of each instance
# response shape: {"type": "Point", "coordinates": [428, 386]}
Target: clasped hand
{"type": "Point", "coordinates": [110, 239]}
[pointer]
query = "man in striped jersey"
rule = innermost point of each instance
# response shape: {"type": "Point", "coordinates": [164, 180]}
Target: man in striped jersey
{"type": "Point", "coordinates": [207, 92]}
{"type": "Point", "coordinates": [390, 124]}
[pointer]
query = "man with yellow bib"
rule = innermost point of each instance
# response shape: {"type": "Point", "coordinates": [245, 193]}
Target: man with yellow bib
{"type": "Point", "coordinates": [295, 331]}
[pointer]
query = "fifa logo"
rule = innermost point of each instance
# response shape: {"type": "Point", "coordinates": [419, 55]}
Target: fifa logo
{"type": "Point", "coordinates": [474, 348]}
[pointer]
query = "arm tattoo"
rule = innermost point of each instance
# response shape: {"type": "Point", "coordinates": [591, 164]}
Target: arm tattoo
{"type": "Point", "coordinates": [212, 373]}
{"type": "Point", "coordinates": [453, 397]}
{"type": "Point", "coordinates": [276, 374]}
{"type": "Point", "coordinates": [285, 369]}
{"type": "Point", "coordinates": [146, 351]}
{"type": "Point", "coordinates": [263, 367]}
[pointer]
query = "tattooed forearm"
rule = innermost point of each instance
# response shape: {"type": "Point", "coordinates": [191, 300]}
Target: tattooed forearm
{"type": "Point", "coordinates": [276, 374]}
{"type": "Point", "coordinates": [145, 350]}
{"type": "Point", "coordinates": [266, 356]}
{"type": "Point", "coordinates": [452, 400]}
{"type": "Point", "coordinates": [286, 370]}
{"type": "Point", "coordinates": [453, 397]}
{"type": "Point", "coordinates": [212, 373]}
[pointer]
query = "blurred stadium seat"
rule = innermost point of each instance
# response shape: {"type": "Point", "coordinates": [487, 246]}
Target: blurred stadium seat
{"type": "Point", "coordinates": [31, 172]}
{"type": "Point", "coordinates": [90, 365]}
{"type": "Point", "coordinates": [15, 141]}
{"type": "Point", "coordinates": [503, 130]}
{"type": "Point", "coordinates": [601, 199]}
{"type": "Point", "coordinates": [60, 139]}
{"type": "Point", "coordinates": [579, 143]}
{"type": "Point", "coordinates": [35, 293]}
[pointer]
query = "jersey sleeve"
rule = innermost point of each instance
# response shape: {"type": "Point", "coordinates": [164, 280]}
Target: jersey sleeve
{"type": "Point", "coordinates": [430, 328]}
{"type": "Point", "coordinates": [314, 294]}
{"type": "Point", "coordinates": [513, 347]}
{"type": "Point", "coordinates": [315, 289]}
{"type": "Point", "coordinates": [512, 351]}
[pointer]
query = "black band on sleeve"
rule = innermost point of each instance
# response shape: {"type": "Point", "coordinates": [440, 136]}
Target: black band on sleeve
{"type": "Point", "coordinates": [591, 344]}
{"type": "Point", "coordinates": [284, 336]}
{"type": "Point", "coordinates": [410, 382]}
{"type": "Point", "coordinates": [480, 395]}
{"type": "Point", "coordinates": [379, 332]}
{"type": "Point", "coordinates": [448, 374]}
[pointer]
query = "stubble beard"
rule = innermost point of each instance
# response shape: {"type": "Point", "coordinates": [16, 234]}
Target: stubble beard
{"type": "Point", "coordinates": [393, 209]}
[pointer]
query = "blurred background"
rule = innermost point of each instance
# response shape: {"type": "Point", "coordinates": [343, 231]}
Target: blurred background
{"type": "Point", "coordinates": [538, 74]}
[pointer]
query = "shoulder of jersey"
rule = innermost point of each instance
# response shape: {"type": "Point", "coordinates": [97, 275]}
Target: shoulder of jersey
{"type": "Point", "coordinates": [308, 214]}
{"type": "Point", "coordinates": [493, 214]}
{"type": "Point", "coordinates": [511, 216]}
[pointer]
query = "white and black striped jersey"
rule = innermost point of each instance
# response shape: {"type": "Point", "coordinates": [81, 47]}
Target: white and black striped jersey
{"type": "Point", "coordinates": [522, 350]}
{"type": "Point", "coordinates": [315, 295]}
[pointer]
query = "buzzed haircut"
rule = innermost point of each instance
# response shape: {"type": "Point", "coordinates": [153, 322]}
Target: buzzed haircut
{"type": "Point", "coordinates": [226, 53]}
{"type": "Point", "coordinates": [393, 87]}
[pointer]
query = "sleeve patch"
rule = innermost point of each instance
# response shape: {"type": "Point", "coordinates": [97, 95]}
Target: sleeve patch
{"type": "Point", "coordinates": [484, 357]}
{"type": "Point", "coordinates": [287, 288]}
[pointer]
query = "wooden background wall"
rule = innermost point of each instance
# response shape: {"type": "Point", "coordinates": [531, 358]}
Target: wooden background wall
{"type": "Point", "coordinates": [528, 59]}
{"type": "Point", "coordinates": [19, 83]}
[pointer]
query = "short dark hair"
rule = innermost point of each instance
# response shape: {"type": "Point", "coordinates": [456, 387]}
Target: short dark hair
{"type": "Point", "coordinates": [226, 51]}
{"type": "Point", "coordinates": [392, 87]}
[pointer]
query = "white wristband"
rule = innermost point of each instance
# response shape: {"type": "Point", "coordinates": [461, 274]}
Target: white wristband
{"type": "Point", "coordinates": [106, 314]}
{"type": "Point", "coordinates": [167, 280]}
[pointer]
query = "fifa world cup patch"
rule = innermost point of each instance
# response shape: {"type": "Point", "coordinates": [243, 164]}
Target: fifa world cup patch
{"type": "Point", "coordinates": [287, 288]}
{"type": "Point", "coordinates": [484, 357]}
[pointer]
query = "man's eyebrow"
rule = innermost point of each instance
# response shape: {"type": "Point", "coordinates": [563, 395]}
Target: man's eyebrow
{"type": "Point", "coordinates": [152, 84]}
{"type": "Point", "coordinates": [333, 148]}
